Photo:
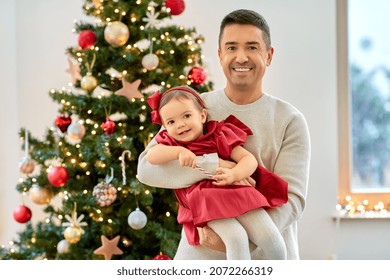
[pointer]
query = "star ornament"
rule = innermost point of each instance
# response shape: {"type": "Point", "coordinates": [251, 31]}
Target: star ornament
{"type": "Point", "coordinates": [130, 90]}
{"type": "Point", "coordinates": [109, 247]}
{"type": "Point", "coordinates": [74, 71]}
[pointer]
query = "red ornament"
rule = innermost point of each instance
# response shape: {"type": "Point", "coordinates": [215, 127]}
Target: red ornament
{"type": "Point", "coordinates": [176, 6]}
{"type": "Point", "coordinates": [62, 122]}
{"type": "Point", "coordinates": [108, 126]}
{"type": "Point", "coordinates": [162, 257]}
{"type": "Point", "coordinates": [197, 75]}
{"type": "Point", "coordinates": [22, 214]}
{"type": "Point", "coordinates": [58, 176]}
{"type": "Point", "coordinates": [87, 39]}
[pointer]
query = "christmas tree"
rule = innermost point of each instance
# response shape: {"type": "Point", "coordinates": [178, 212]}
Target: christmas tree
{"type": "Point", "coordinates": [88, 157]}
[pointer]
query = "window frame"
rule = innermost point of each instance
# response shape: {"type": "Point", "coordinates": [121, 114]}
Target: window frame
{"type": "Point", "coordinates": [344, 127]}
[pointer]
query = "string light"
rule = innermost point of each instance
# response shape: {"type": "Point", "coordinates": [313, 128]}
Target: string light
{"type": "Point", "coordinates": [361, 209]}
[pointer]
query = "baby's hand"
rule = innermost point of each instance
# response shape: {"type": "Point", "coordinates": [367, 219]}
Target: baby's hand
{"type": "Point", "coordinates": [187, 158]}
{"type": "Point", "coordinates": [224, 176]}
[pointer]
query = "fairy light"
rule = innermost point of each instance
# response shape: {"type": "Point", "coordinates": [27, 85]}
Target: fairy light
{"type": "Point", "coordinates": [362, 209]}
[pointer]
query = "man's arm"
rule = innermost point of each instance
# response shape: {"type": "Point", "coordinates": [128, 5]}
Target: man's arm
{"type": "Point", "coordinates": [293, 165]}
{"type": "Point", "coordinates": [171, 175]}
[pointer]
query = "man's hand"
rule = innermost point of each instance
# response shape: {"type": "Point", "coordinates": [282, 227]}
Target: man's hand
{"type": "Point", "coordinates": [209, 239]}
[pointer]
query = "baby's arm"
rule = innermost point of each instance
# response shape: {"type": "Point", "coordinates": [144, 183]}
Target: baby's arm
{"type": "Point", "coordinates": [246, 165]}
{"type": "Point", "coordinates": [160, 154]}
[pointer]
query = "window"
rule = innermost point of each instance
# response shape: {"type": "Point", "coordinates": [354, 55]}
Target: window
{"type": "Point", "coordinates": [364, 101]}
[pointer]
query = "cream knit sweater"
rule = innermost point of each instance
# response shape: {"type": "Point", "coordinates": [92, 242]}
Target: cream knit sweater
{"type": "Point", "coordinates": [280, 142]}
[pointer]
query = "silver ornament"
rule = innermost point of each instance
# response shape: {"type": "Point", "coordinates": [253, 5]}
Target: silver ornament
{"type": "Point", "coordinates": [63, 247]}
{"type": "Point", "coordinates": [150, 61]}
{"type": "Point", "coordinates": [76, 130]}
{"type": "Point", "coordinates": [137, 219]}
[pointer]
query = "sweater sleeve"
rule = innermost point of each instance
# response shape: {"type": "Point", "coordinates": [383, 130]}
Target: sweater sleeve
{"type": "Point", "coordinates": [171, 175]}
{"type": "Point", "coordinates": [292, 165]}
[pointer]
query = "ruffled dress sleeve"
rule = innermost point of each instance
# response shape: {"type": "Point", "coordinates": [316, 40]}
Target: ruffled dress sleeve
{"type": "Point", "coordinates": [230, 133]}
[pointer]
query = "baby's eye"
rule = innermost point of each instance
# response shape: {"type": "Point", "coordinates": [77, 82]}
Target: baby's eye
{"type": "Point", "coordinates": [186, 116]}
{"type": "Point", "coordinates": [170, 122]}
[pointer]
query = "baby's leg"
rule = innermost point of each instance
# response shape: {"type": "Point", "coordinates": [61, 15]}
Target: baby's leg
{"type": "Point", "coordinates": [234, 236]}
{"type": "Point", "coordinates": [263, 232]}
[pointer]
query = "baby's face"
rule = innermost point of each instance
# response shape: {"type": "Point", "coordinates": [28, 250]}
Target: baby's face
{"type": "Point", "coordinates": [183, 120]}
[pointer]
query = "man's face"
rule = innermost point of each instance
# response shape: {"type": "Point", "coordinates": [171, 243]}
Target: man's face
{"type": "Point", "coordinates": [243, 56]}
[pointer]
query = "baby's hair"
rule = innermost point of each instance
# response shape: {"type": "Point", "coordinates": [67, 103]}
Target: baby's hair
{"type": "Point", "coordinates": [178, 93]}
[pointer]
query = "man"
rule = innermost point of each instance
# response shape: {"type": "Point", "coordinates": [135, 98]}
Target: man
{"type": "Point", "coordinates": [280, 140]}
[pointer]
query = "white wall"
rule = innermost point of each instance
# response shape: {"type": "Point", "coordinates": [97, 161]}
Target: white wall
{"type": "Point", "coordinates": [9, 119]}
{"type": "Point", "coordinates": [303, 72]}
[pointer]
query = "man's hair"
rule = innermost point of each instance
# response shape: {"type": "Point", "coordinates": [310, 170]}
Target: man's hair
{"type": "Point", "coordinates": [244, 17]}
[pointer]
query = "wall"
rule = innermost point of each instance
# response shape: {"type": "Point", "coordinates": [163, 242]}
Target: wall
{"type": "Point", "coordinates": [303, 72]}
{"type": "Point", "coordinates": [9, 118]}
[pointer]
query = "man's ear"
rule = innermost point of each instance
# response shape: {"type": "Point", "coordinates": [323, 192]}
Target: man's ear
{"type": "Point", "coordinates": [270, 56]}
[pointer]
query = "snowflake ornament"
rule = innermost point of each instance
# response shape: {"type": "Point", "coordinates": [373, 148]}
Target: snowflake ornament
{"type": "Point", "coordinates": [151, 19]}
{"type": "Point", "coordinates": [74, 221]}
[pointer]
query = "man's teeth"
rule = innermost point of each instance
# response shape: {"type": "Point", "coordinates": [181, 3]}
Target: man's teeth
{"type": "Point", "coordinates": [241, 69]}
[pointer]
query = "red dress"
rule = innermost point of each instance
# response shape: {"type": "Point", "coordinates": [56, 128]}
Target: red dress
{"type": "Point", "coordinates": [203, 201]}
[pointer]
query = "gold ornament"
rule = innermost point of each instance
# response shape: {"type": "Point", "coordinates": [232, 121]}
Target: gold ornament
{"type": "Point", "coordinates": [116, 33]}
{"type": "Point", "coordinates": [89, 82]}
{"type": "Point", "coordinates": [73, 234]}
{"type": "Point", "coordinates": [40, 195]}
{"type": "Point", "coordinates": [26, 165]}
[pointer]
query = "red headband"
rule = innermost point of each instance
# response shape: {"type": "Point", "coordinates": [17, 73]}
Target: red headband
{"type": "Point", "coordinates": [154, 101]}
